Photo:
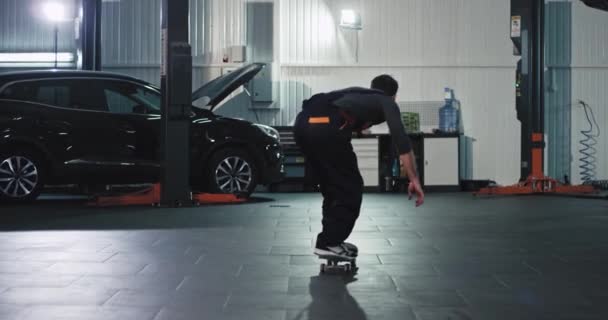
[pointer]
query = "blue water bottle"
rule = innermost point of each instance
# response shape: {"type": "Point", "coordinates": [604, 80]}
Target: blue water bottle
{"type": "Point", "coordinates": [448, 115]}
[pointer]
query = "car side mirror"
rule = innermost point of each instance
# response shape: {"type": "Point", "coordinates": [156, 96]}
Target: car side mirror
{"type": "Point", "coordinates": [140, 109]}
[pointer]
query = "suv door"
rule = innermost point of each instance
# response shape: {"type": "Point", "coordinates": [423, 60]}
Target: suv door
{"type": "Point", "coordinates": [137, 108]}
{"type": "Point", "coordinates": [114, 135]}
{"type": "Point", "coordinates": [50, 122]}
{"type": "Point", "coordinates": [82, 126]}
{"type": "Point", "coordinates": [74, 126]}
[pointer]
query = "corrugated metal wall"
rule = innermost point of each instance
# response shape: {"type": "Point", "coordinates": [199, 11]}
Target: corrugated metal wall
{"type": "Point", "coordinates": [590, 81]}
{"type": "Point", "coordinates": [23, 28]}
{"type": "Point", "coordinates": [426, 45]}
{"type": "Point", "coordinates": [131, 35]}
{"type": "Point", "coordinates": [558, 41]}
{"type": "Point", "coordinates": [396, 32]}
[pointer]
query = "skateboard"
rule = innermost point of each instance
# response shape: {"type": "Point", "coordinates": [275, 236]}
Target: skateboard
{"type": "Point", "coordinates": [335, 264]}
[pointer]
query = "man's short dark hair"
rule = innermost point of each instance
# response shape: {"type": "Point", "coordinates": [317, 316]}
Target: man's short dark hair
{"type": "Point", "coordinates": [385, 83]}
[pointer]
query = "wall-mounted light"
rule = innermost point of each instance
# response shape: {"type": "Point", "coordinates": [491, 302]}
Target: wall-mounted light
{"type": "Point", "coordinates": [55, 11]}
{"type": "Point", "coordinates": [351, 20]}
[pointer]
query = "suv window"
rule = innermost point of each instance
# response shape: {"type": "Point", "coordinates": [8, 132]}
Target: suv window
{"type": "Point", "coordinates": [126, 97]}
{"type": "Point", "coordinates": [118, 103]}
{"type": "Point", "coordinates": [89, 95]}
{"type": "Point", "coordinates": [51, 92]}
{"type": "Point", "coordinates": [117, 96]}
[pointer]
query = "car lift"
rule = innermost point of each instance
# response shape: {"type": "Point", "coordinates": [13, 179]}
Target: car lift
{"type": "Point", "coordinates": [527, 34]}
{"type": "Point", "coordinates": [152, 196]}
{"type": "Point", "coordinates": [176, 87]}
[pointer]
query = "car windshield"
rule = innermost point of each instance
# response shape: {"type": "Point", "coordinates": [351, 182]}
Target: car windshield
{"type": "Point", "coordinates": [149, 97]}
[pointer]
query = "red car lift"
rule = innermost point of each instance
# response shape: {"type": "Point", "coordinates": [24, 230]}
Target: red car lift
{"type": "Point", "coordinates": [151, 196]}
{"type": "Point", "coordinates": [537, 182]}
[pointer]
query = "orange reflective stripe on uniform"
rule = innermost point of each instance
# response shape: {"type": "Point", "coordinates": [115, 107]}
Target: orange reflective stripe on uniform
{"type": "Point", "coordinates": [316, 120]}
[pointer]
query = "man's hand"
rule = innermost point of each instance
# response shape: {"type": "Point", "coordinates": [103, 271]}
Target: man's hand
{"type": "Point", "coordinates": [409, 166]}
{"type": "Point", "coordinates": [415, 188]}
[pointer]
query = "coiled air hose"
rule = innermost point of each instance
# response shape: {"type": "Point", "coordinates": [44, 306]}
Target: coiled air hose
{"type": "Point", "coordinates": [587, 150]}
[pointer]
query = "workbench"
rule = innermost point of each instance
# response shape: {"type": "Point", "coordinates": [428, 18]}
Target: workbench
{"type": "Point", "coordinates": [437, 159]}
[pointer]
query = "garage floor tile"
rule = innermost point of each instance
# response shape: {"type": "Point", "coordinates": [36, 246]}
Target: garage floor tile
{"type": "Point", "coordinates": [456, 257]}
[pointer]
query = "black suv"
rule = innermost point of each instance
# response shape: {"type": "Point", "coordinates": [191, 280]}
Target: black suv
{"type": "Point", "coordinates": [96, 128]}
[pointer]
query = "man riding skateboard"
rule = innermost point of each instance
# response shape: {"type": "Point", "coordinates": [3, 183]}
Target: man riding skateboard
{"type": "Point", "coordinates": [323, 131]}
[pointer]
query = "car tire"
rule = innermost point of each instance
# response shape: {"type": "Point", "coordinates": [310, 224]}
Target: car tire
{"type": "Point", "coordinates": [22, 175]}
{"type": "Point", "coordinates": [233, 171]}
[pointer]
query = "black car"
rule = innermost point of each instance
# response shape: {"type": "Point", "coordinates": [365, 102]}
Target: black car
{"type": "Point", "coordinates": [97, 128]}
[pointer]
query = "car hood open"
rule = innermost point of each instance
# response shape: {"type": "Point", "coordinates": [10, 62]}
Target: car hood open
{"type": "Point", "coordinates": [219, 88]}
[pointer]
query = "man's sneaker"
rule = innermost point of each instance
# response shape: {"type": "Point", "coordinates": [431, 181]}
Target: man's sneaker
{"type": "Point", "coordinates": [352, 248]}
{"type": "Point", "coordinates": [340, 251]}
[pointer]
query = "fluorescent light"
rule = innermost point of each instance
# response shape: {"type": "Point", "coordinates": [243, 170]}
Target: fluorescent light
{"type": "Point", "coordinates": [54, 11]}
{"type": "Point", "coordinates": [36, 57]}
{"type": "Point", "coordinates": [350, 19]}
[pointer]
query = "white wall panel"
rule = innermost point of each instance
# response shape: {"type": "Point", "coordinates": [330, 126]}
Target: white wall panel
{"type": "Point", "coordinates": [227, 26]}
{"type": "Point", "coordinates": [590, 36]}
{"type": "Point", "coordinates": [426, 45]}
{"type": "Point", "coordinates": [590, 82]}
{"type": "Point", "coordinates": [397, 32]}
{"type": "Point", "coordinates": [131, 33]}
{"type": "Point", "coordinates": [131, 30]}
{"type": "Point", "coordinates": [590, 86]}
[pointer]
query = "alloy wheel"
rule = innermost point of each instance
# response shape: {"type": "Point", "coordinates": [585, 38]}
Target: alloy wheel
{"type": "Point", "coordinates": [18, 177]}
{"type": "Point", "coordinates": [233, 174]}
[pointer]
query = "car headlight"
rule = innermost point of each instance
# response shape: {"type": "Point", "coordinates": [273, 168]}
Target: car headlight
{"type": "Point", "coordinates": [269, 131]}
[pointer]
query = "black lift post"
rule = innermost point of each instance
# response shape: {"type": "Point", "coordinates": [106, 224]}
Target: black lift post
{"type": "Point", "coordinates": [176, 86]}
{"type": "Point", "coordinates": [527, 34]}
{"type": "Point", "coordinates": [90, 35]}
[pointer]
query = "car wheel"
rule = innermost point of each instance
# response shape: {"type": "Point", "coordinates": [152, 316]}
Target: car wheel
{"type": "Point", "coordinates": [21, 176]}
{"type": "Point", "coordinates": [232, 171]}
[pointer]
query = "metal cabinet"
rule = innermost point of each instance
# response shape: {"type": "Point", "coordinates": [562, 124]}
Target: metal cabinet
{"type": "Point", "coordinates": [368, 160]}
{"type": "Point", "coordinates": [441, 161]}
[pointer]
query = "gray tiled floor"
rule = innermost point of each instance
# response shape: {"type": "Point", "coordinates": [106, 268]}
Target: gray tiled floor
{"type": "Point", "coordinates": [456, 258]}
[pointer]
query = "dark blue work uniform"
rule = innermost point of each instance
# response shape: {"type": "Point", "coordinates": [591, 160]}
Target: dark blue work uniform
{"type": "Point", "coordinates": [323, 131]}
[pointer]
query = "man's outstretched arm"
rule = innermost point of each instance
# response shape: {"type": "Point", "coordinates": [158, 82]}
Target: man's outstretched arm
{"type": "Point", "coordinates": [408, 163]}
{"type": "Point", "coordinates": [404, 147]}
